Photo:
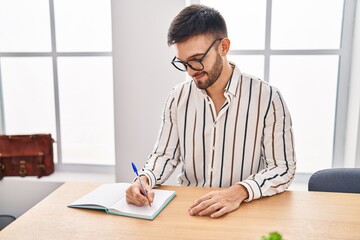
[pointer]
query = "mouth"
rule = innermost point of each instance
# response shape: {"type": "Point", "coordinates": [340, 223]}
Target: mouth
{"type": "Point", "coordinates": [199, 75]}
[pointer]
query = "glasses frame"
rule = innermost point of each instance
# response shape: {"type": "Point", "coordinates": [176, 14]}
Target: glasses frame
{"type": "Point", "coordinates": [186, 64]}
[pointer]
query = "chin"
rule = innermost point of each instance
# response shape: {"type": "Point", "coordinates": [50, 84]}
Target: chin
{"type": "Point", "coordinates": [201, 86]}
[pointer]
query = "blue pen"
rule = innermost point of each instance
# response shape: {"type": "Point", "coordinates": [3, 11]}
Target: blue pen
{"type": "Point", "coordinates": [142, 186]}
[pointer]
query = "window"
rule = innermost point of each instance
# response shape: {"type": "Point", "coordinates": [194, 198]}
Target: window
{"type": "Point", "coordinates": [302, 47]}
{"type": "Point", "coordinates": [56, 76]}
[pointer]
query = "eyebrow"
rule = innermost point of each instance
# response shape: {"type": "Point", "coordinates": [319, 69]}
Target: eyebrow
{"type": "Point", "coordinates": [192, 56]}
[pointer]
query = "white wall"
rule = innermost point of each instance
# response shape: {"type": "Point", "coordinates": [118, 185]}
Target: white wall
{"type": "Point", "coordinates": [143, 76]}
{"type": "Point", "coordinates": [353, 120]}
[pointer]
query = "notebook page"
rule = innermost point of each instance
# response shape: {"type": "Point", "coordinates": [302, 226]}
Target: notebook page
{"type": "Point", "coordinates": [105, 195]}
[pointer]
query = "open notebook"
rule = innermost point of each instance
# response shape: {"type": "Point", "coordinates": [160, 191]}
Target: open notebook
{"type": "Point", "coordinates": [111, 198]}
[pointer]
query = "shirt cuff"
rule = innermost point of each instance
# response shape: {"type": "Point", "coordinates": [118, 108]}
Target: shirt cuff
{"type": "Point", "coordinates": [150, 176]}
{"type": "Point", "coordinates": [253, 189]}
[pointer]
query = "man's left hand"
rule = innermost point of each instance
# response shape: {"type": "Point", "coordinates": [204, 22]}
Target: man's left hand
{"type": "Point", "coordinates": [217, 203]}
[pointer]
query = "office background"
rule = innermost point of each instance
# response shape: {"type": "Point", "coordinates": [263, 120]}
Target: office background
{"type": "Point", "coordinates": [98, 74]}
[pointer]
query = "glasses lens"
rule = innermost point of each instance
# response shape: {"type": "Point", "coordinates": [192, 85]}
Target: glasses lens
{"type": "Point", "coordinates": [179, 65]}
{"type": "Point", "coordinates": [196, 65]}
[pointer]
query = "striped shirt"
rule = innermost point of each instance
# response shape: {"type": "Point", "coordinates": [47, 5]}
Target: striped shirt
{"type": "Point", "coordinates": [249, 142]}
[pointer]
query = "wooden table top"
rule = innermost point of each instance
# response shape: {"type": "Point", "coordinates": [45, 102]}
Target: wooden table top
{"type": "Point", "coordinates": [294, 214]}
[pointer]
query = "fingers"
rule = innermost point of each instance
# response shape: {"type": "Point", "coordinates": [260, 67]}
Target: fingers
{"type": "Point", "coordinates": [201, 204]}
{"type": "Point", "coordinates": [150, 194]}
{"type": "Point", "coordinates": [215, 204]}
{"type": "Point", "coordinates": [201, 200]}
{"type": "Point", "coordinates": [135, 196]}
{"type": "Point", "coordinates": [211, 208]}
{"type": "Point", "coordinates": [219, 213]}
{"type": "Point", "coordinates": [206, 209]}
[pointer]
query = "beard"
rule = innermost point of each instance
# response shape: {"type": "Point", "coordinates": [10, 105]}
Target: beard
{"type": "Point", "coordinates": [213, 74]}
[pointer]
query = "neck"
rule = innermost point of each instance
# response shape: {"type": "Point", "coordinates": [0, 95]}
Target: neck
{"type": "Point", "coordinates": [217, 89]}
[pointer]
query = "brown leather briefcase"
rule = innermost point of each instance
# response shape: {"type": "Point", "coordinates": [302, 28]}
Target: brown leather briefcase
{"type": "Point", "coordinates": [26, 155]}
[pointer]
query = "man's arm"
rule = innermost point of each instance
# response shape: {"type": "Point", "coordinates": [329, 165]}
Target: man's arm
{"type": "Point", "coordinates": [162, 161]}
{"type": "Point", "coordinates": [166, 155]}
{"type": "Point", "coordinates": [277, 153]}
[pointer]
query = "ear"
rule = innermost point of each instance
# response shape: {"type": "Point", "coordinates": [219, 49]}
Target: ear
{"type": "Point", "coordinates": [224, 46]}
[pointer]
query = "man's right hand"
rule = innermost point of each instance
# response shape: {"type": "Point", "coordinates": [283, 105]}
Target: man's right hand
{"type": "Point", "coordinates": [134, 193]}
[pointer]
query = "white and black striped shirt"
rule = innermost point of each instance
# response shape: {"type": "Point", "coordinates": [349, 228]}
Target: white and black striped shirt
{"type": "Point", "coordinates": [249, 142]}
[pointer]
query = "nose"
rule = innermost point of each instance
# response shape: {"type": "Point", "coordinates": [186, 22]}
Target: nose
{"type": "Point", "coordinates": [191, 72]}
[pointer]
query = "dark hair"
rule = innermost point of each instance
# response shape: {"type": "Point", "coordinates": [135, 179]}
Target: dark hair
{"type": "Point", "coordinates": [196, 20]}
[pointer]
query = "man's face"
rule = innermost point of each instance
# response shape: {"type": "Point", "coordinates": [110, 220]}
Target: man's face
{"type": "Point", "coordinates": [193, 49]}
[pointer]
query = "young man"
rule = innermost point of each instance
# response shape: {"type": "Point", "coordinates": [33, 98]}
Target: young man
{"type": "Point", "coordinates": [227, 128]}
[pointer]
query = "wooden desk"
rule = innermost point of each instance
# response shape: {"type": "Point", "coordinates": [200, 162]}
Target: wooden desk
{"type": "Point", "coordinates": [296, 215]}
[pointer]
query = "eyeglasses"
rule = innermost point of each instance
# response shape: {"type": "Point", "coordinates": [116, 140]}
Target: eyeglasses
{"type": "Point", "coordinates": [195, 64]}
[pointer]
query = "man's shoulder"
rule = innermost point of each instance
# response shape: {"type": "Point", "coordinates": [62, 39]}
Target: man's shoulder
{"type": "Point", "coordinates": [255, 84]}
{"type": "Point", "coordinates": [179, 88]}
{"type": "Point", "coordinates": [255, 79]}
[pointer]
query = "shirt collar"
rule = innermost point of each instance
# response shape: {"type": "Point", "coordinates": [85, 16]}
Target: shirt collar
{"type": "Point", "coordinates": [233, 82]}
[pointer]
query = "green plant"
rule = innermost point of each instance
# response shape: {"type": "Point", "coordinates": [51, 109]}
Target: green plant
{"type": "Point", "coordinates": [272, 236]}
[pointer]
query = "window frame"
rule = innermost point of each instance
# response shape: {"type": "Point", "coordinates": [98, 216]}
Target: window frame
{"type": "Point", "coordinates": [54, 54]}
